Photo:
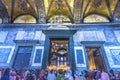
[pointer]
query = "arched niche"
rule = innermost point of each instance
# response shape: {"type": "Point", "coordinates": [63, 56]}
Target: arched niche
{"type": "Point", "coordinates": [95, 18]}
{"type": "Point", "coordinates": [59, 19]}
{"type": "Point", "coordinates": [25, 19]}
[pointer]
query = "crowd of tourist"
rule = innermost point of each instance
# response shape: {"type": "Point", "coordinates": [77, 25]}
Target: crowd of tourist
{"type": "Point", "coordinates": [13, 74]}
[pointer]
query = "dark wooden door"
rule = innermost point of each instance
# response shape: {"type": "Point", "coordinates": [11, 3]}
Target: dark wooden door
{"type": "Point", "coordinates": [22, 58]}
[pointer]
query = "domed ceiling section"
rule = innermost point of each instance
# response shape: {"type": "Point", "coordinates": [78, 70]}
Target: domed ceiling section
{"type": "Point", "coordinates": [58, 7]}
{"type": "Point", "coordinates": [75, 10]}
{"type": "Point", "coordinates": [84, 8]}
{"type": "Point", "coordinates": [16, 8]}
{"type": "Point", "coordinates": [95, 7]}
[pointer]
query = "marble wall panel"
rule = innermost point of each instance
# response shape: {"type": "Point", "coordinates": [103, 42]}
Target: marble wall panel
{"type": "Point", "coordinates": [20, 35]}
{"type": "Point", "coordinates": [29, 35]}
{"type": "Point", "coordinates": [6, 53]}
{"type": "Point", "coordinates": [78, 36]}
{"type": "Point", "coordinates": [25, 35]}
{"type": "Point", "coordinates": [3, 35]}
{"type": "Point", "coordinates": [113, 56]}
{"type": "Point", "coordinates": [38, 56]}
{"type": "Point", "coordinates": [10, 37]}
{"type": "Point", "coordinates": [43, 37]}
{"type": "Point", "coordinates": [100, 36]}
{"type": "Point", "coordinates": [38, 35]}
{"type": "Point", "coordinates": [79, 56]}
{"type": "Point", "coordinates": [110, 37]}
{"type": "Point", "coordinates": [89, 36]}
{"type": "Point", "coordinates": [117, 34]}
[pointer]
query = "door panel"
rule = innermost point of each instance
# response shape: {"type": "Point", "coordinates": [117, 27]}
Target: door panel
{"type": "Point", "coordinates": [23, 57]}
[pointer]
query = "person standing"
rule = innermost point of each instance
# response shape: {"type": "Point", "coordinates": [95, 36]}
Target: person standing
{"type": "Point", "coordinates": [104, 76]}
{"type": "Point", "coordinates": [112, 75]}
{"type": "Point", "coordinates": [51, 76]}
{"type": "Point", "coordinates": [5, 76]}
{"type": "Point", "coordinates": [13, 75]}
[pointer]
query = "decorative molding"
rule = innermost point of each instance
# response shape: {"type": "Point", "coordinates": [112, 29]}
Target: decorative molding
{"type": "Point", "coordinates": [30, 35]}
{"type": "Point", "coordinates": [26, 41]}
{"type": "Point", "coordinates": [92, 43]}
{"type": "Point", "coordinates": [79, 52]}
{"type": "Point", "coordinates": [59, 32]}
{"type": "Point", "coordinates": [40, 54]}
{"type": "Point", "coordinates": [58, 27]}
{"type": "Point", "coordinates": [89, 26]}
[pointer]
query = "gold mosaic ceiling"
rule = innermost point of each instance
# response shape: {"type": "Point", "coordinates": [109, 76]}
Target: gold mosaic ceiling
{"type": "Point", "coordinates": [75, 10]}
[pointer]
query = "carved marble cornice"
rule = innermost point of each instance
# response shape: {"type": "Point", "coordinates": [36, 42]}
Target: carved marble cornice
{"type": "Point", "coordinates": [70, 26]}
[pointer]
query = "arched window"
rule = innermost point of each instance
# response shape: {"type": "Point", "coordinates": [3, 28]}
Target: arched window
{"type": "Point", "coordinates": [0, 20]}
{"type": "Point", "coordinates": [25, 19]}
{"type": "Point", "coordinates": [95, 18]}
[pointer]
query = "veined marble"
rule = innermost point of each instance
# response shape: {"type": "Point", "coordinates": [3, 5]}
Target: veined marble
{"type": "Point", "coordinates": [3, 35]}
{"type": "Point", "coordinates": [113, 56]}
{"type": "Point", "coordinates": [79, 56]}
{"type": "Point", "coordinates": [20, 35]}
{"type": "Point", "coordinates": [6, 53]}
{"type": "Point", "coordinates": [30, 35]}
{"type": "Point", "coordinates": [38, 35]}
{"type": "Point", "coordinates": [78, 36]}
{"type": "Point", "coordinates": [35, 62]}
{"type": "Point", "coordinates": [109, 35]}
{"type": "Point", "coordinates": [89, 36]}
{"type": "Point", "coordinates": [10, 37]}
{"type": "Point", "coordinates": [117, 34]}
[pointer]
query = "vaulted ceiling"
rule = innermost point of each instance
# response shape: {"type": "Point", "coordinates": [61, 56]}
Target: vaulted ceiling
{"type": "Point", "coordinates": [75, 10]}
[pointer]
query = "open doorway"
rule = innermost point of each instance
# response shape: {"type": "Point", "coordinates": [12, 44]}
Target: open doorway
{"type": "Point", "coordinates": [58, 57]}
{"type": "Point", "coordinates": [95, 58]}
